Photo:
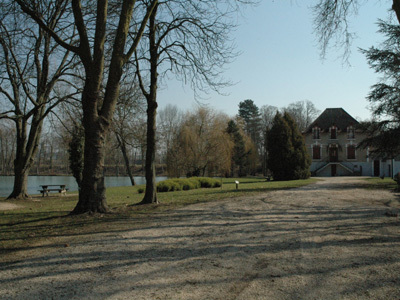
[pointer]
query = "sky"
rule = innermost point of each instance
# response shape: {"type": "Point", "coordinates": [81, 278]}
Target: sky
{"type": "Point", "coordinates": [280, 62]}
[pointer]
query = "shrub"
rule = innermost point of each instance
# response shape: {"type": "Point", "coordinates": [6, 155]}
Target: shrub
{"type": "Point", "coordinates": [186, 184]}
{"type": "Point", "coordinates": [168, 185]}
{"type": "Point", "coordinates": [162, 187]}
{"type": "Point", "coordinates": [217, 183]}
{"type": "Point", "coordinates": [205, 182]}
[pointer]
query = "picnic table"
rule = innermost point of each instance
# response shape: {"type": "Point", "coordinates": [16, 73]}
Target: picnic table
{"type": "Point", "coordinates": [46, 188]}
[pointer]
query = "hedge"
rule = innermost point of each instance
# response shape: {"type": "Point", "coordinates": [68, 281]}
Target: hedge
{"type": "Point", "coordinates": [185, 184]}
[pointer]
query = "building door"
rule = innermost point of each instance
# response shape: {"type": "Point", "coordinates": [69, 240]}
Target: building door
{"type": "Point", "coordinates": [333, 170]}
{"type": "Point", "coordinates": [377, 170]}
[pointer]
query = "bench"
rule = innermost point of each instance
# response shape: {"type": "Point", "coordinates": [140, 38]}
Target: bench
{"type": "Point", "coordinates": [60, 188]}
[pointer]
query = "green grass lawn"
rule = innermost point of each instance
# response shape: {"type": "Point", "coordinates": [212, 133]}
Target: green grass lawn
{"type": "Point", "coordinates": [378, 183]}
{"type": "Point", "coordinates": [48, 217]}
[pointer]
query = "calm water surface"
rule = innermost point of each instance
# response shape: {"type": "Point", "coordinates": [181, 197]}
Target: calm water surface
{"type": "Point", "coordinates": [34, 182]}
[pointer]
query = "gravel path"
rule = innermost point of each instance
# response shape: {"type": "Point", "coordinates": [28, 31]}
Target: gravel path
{"type": "Point", "coordinates": [330, 240]}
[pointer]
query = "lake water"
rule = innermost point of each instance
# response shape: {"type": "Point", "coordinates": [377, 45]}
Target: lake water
{"type": "Point", "coordinates": [34, 182]}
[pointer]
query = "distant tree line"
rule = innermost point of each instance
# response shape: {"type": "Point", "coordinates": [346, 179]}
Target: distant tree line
{"type": "Point", "coordinates": [194, 143]}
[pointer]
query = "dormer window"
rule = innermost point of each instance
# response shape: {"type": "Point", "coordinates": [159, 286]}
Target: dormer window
{"type": "Point", "coordinates": [333, 131]}
{"type": "Point", "coordinates": [350, 132]}
{"type": "Point", "coordinates": [316, 133]}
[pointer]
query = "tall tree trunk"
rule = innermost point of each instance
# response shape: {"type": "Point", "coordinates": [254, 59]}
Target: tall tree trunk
{"type": "Point", "coordinates": [151, 97]}
{"type": "Point", "coordinates": [151, 190]}
{"type": "Point", "coordinates": [20, 189]}
{"type": "Point", "coordinates": [92, 194]}
{"type": "Point", "coordinates": [26, 150]}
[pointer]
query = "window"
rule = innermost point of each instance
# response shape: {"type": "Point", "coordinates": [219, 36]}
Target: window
{"type": "Point", "coordinates": [333, 131]}
{"type": "Point", "coordinates": [351, 152]}
{"type": "Point", "coordinates": [316, 152]}
{"type": "Point", "coordinates": [350, 132]}
{"type": "Point", "coordinates": [316, 131]}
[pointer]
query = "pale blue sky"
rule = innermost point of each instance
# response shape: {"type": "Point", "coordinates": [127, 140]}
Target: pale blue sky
{"type": "Point", "coordinates": [280, 62]}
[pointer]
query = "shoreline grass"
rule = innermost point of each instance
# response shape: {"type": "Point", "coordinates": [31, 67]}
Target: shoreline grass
{"type": "Point", "coordinates": [42, 218]}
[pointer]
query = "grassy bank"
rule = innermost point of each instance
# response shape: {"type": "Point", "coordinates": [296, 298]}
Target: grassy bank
{"type": "Point", "coordinates": [37, 220]}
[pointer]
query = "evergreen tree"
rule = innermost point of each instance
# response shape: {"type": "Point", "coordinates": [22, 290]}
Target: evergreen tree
{"type": "Point", "coordinates": [250, 113]}
{"type": "Point", "coordinates": [384, 134]}
{"type": "Point", "coordinates": [287, 155]}
{"type": "Point", "coordinates": [301, 160]}
{"type": "Point", "coordinates": [239, 155]}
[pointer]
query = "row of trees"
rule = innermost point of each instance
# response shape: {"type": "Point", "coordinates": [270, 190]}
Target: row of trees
{"type": "Point", "coordinates": [258, 122]}
{"type": "Point", "coordinates": [217, 138]}
{"type": "Point", "coordinates": [76, 48]}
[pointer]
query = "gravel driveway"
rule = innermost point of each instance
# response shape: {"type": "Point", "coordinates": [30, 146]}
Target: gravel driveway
{"type": "Point", "coordinates": [329, 240]}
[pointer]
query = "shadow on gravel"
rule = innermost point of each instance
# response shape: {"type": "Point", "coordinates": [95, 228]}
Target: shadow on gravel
{"type": "Point", "coordinates": [191, 235]}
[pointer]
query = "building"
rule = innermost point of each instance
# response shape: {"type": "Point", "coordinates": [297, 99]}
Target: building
{"type": "Point", "coordinates": [332, 141]}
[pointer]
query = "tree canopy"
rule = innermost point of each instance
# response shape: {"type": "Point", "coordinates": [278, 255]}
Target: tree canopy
{"type": "Point", "coordinates": [384, 132]}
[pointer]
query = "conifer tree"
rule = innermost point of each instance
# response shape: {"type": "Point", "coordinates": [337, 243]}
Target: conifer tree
{"type": "Point", "coordinates": [384, 132]}
{"type": "Point", "coordinates": [250, 113]}
{"type": "Point", "coordinates": [288, 158]}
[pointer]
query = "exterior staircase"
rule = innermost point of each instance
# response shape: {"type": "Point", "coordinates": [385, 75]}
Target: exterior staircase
{"type": "Point", "coordinates": [327, 164]}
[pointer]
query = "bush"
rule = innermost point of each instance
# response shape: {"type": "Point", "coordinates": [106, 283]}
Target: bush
{"type": "Point", "coordinates": [217, 183]}
{"type": "Point", "coordinates": [186, 184]}
{"type": "Point", "coordinates": [206, 182]}
{"type": "Point", "coordinates": [168, 185]}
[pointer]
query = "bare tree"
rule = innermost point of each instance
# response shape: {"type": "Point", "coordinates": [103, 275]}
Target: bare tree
{"type": "Point", "coordinates": [331, 22]}
{"type": "Point", "coordinates": [7, 147]}
{"type": "Point", "coordinates": [169, 121]}
{"type": "Point", "coordinates": [129, 109]}
{"type": "Point", "coordinates": [268, 113]}
{"type": "Point", "coordinates": [190, 39]}
{"type": "Point", "coordinates": [31, 67]}
{"type": "Point", "coordinates": [302, 112]}
{"type": "Point", "coordinates": [124, 22]}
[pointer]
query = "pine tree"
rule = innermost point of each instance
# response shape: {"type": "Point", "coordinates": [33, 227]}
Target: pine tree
{"type": "Point", "coordinates": [287, 155]}
{"type": "Point", "coordinates": [250, 113]}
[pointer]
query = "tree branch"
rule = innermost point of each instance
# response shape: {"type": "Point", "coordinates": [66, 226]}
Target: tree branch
{"type": "Point", "coordinates": [54, 35]}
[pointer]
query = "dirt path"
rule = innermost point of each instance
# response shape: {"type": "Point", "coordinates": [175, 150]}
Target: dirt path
{"type": "Point", "coordinates": [331, 240]}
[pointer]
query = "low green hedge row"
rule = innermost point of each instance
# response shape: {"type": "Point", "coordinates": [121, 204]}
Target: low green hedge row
{"type": "Point", "coordinates": [185, 184]}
